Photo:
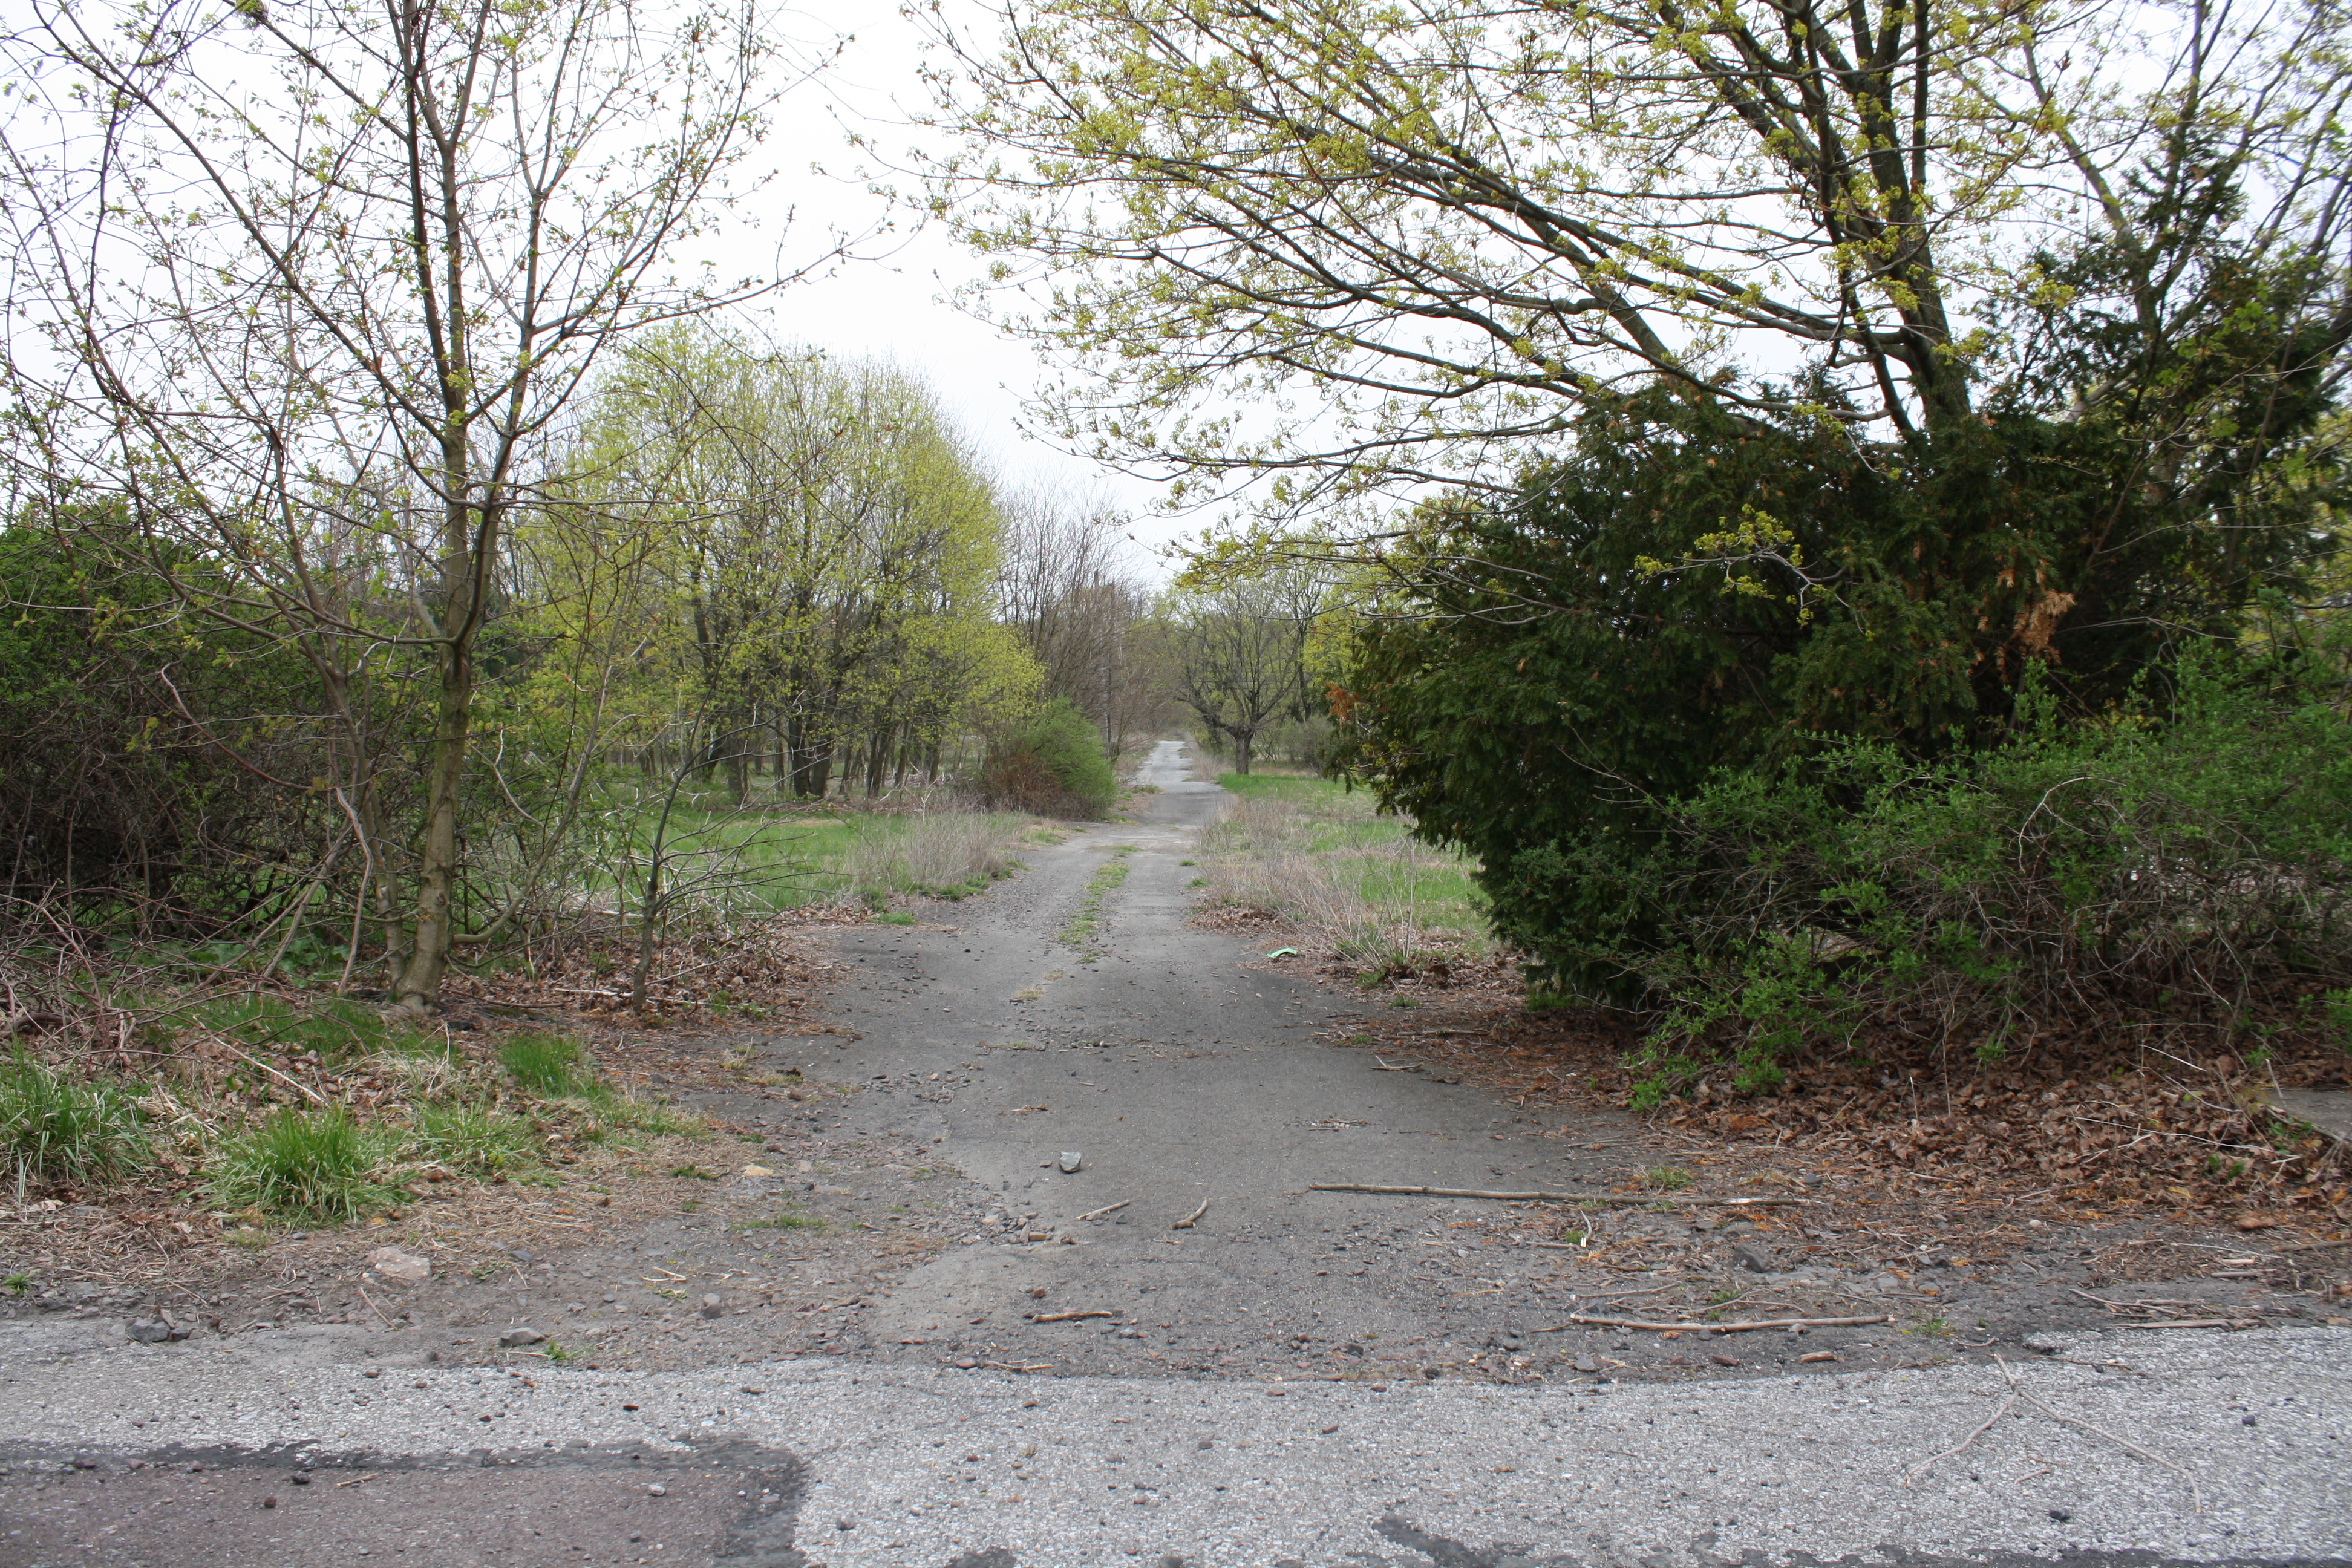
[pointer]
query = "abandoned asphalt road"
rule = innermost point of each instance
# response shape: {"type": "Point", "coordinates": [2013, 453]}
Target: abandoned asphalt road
{"type": "Point", "coordinates": [1197, 1421]}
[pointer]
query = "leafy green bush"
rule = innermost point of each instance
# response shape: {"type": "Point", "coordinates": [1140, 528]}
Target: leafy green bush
{"type": "Point", "coordinates": [314, 1164]}
{"type": "Point", "coordinates": [1055, 765]}
{"type": "Point", "coordinates": [52, 1127]}
{"type": "Point", "coordinates": [110, 791]}
{"type": "Point", "coordinates": [2339, 1013]}
{"type": "Point", "coordinates": [2170, 855]}
{"type": "Point", "coordinates": [1693, 589]}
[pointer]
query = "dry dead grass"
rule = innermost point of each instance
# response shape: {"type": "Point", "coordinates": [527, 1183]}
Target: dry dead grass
{"type": "Point", "coordinates": [1362, 889]}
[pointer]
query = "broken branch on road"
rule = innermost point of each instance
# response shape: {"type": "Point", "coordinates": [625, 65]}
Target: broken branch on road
{"type": "Point", "coordinates": [1638, 1199]}
{"type": "Point", "coordinates": [1924, 1466]}
{"type": "Point", "coordinates": [1737, 1328]}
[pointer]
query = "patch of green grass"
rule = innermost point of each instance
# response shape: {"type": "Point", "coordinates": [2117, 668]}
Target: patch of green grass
{"type": "Point", "coordinates": [472, 1140]}
{"type": "Point", "coordinates": [693, 1173]}
{"type": "Point", "coordinates": [16, 1284]}
{"type": "Point", "coordinates": [556, 1353]}
{"type": "Point", "coordinates": [314, 1165]}
{"type": "Point", "coordinates": [1080, 932]}
{"type": "Point", "coordinates": [550, 1066]}
{"type": "Point", "coordinates": [894, 918]}
{"type": "Point", "coordinates": [785, 858]}
{"type": "Point", "coordinates": [1933, 1328]}
{"type": "Point", "coordinates": [791, 1219]}
{"type": "Point", "coordinates": [1307, 788]}
{"type": "Point", "coordinates": [53, 1127]}
{"type": "Point", "coordinates": [618, 1113]}
{"type": "Point", "coordinates": [1667, 1178]}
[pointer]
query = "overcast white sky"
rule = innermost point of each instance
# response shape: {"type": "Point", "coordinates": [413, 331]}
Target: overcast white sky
{"type": "Point", "coordinates": [897, 305]}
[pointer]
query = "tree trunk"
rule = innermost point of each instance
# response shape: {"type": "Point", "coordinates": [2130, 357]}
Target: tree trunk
{"type": "Point", "coordinates": [419, 984]}
{"type": "Point", "coordinates": [737, 746]}
{"type": "Point", "coordinates": [1242, 739]}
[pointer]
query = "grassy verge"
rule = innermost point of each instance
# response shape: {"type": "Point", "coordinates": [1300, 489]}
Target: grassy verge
{"type": "Point", "coordinates": [260, 1112]}
{"type": "Point", "coordinates": [1319, 855]}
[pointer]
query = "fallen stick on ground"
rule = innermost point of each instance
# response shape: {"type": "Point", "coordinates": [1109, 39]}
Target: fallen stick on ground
{"type": "Point", "coordinates": [2201, 1324]}
{"type": "Point", "coordinates": [1722, 1328]}
{"type": "Point", "coordinates": [299, 1086]}
{"type": "Point", "coordinates": [1922, 1467]}
{"type": "Point", "coordinates": [374, 1307]}
{"type": "Point", "coordinates": [1379, 1066]}
{"type": "Point", "coordinates": [1549, 1197]}
{"type": "Point", "coordinates": [1106, 1208]}
{"type": "Point", "coordinates": [2196, 1496]}
{"type": "Point", "coordinates": [1189, 1220]}
{"type": "Point", "coordinates": [1071, 1317]}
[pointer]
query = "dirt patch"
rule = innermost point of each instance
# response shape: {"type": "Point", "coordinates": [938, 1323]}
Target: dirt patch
{"type": "Point", "coordinates": [2027, 1202]}
{"type": "Point", "coordinates": [764, 1232]}
{"type": "Point", "coordinates": [708, 1205]}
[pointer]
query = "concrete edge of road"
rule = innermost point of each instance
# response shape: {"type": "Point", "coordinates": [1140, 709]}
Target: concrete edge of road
{"type": "Point", "coordinates": [2188, 1446]}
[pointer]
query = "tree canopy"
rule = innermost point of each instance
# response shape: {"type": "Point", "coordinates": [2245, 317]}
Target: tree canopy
{"type": "Point", "coordinates": [1368, 245]}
